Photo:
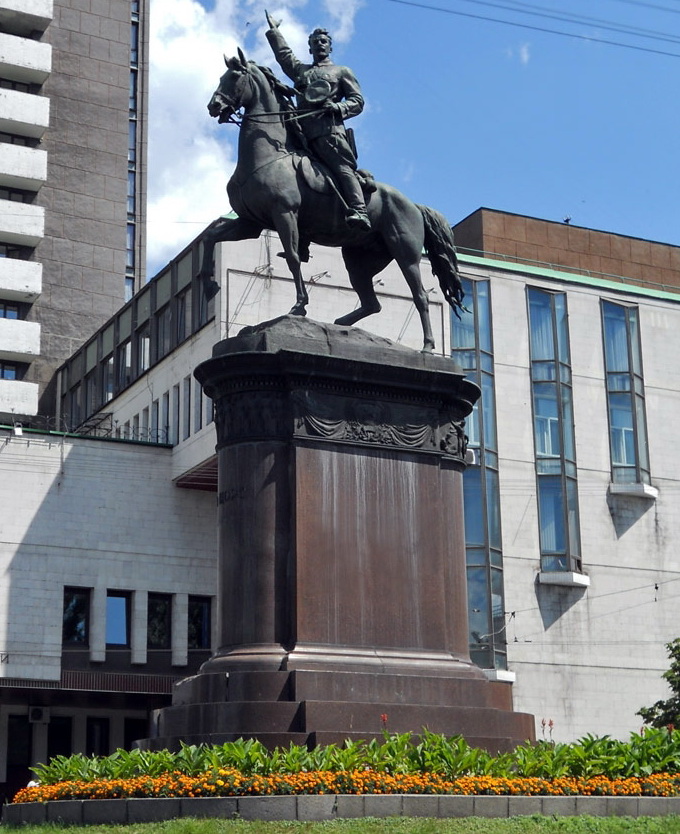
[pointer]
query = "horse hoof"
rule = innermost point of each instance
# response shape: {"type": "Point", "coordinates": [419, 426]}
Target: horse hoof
{"type": "Point", "coordinates": [428, 347]}
{"type": "Point", "coordinates": [298, 310]}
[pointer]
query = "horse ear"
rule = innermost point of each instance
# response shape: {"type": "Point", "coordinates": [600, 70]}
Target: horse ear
{"type": "Point", "coordinates": [226, 60]}
{"type": "Point", "coordinates": [242, 57]}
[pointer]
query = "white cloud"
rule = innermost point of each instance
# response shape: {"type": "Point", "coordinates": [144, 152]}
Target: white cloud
{"type": "Point", "coordinates": [190, 157]}
{"type": "Point", "coordinates": [522, 52]}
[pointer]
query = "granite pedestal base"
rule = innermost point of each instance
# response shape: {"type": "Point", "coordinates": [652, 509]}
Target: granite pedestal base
{"type": "Point", "coordinates": [342, 589]}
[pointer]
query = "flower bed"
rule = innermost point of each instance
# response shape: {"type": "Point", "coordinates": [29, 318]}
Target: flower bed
{"type": "Point", "coordinates": [231, 782]}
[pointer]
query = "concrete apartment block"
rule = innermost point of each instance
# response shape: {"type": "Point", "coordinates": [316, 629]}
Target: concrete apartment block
{"type": "Point", "coordinates": [19, 340]}
{"type": "Point", "coordinates": [24, 168]}
{"type": "Point", "coordinates": [24, 59]}
{"type": "Point", "coordinates": [23, 113]}
{"type": "Point", "coordinates": [84, 250]}
{"type": "Point", "coordinates": [20, 280]}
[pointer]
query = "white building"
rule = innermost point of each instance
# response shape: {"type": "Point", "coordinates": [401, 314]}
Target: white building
{"type": "Point", "coordinates": [108, 564]}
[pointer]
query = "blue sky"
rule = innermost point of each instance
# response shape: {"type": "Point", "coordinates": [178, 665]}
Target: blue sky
{"type": "Point", "coordinates": [460, 112]}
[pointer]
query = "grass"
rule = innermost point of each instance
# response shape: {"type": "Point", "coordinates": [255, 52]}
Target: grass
{"type": "Point", "coordinates": [470, 825]}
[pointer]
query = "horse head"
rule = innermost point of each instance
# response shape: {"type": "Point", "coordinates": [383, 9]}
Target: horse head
{"type": "Point", "coordinates": [232, 92]}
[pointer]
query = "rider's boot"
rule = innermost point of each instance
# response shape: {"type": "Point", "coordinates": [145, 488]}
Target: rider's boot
{"type": "Point", "coordinates": [356, 216]}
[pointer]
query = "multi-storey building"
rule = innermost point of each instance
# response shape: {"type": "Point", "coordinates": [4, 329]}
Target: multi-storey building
{"type": "Point", "coordinates": [570, 521]}
{"type": "Point", "coordinates": [72, 183]}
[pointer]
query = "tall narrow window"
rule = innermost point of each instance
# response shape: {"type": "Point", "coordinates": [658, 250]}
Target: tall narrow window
{"type": "Point", "coordinates": [199, 623]}
{"type": "Point", "coordinates": [472, 347]}
{"type": "Point", "coordinates": [186, 407]}
{"type": "Point", "coordinates": [625, 394]}
{"type": "Point", "coordinates": [554, 432]}
{"type": "Point", "coordinates": [118, 618]}
{"type": "Point", "coordinates": [76, 620]}
{"type": "Point", "coordinates": [158, 631]}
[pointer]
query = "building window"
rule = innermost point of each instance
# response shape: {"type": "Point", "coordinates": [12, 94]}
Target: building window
{"type": "Point", "coordinates": [154, 437]}
{"type": "Point", "coordinates": [75, 628]}
{"type": "Point", "coordinates": [9, 310]}
{"type": "Point", "coordinates": [199, 623]}
{"type": "Point", "coordinates": [143, 336]}
{"type": "Point", "coordinates": [174, 425]}
{"type": "Point", "coordinates": [163, 332]}
{"type": "Point", "coordinates": [186, 407]}
{"type": "Point", "coordinates": [164, 428]}
{"type": "Point", "coordinates": [118, 618]}
{"type": "Point", "coordinates": [9, 370]}
{"type": "Point", "coordinates": [13, 251]}
{"type": "Point", "coordinates": [472, 347]}
{"type": "Point", "coordinates": [625, 394]}
{"type": "Point", "coordinates": [553, 421]}
{"type": "Point", "coordinates": [159, 621]}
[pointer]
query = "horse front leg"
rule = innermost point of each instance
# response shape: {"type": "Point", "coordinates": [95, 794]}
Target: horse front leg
{"type": "Point", "coordinates": [222, 229]}
{"type": "Point", "coordinates": [287, 228]}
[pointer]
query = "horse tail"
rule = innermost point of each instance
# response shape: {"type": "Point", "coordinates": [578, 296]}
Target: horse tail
{"type": "Point", "coordinates": [441, 250]}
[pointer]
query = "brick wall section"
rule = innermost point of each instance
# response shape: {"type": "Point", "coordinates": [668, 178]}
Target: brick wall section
{"type": "Point", "coordinates": [83, 251]}
{"type": "Point", "coordinates": [644, 262]}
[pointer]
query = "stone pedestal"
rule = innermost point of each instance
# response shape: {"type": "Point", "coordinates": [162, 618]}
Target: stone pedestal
{"type": "Point", "coordinates": [342, 593]}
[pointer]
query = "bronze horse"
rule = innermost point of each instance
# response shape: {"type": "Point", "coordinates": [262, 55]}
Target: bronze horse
{"type": "Point", "coordinates": [277, 186]}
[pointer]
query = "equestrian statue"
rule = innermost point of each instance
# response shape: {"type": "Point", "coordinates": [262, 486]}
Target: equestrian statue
{"type": "Point", "coordinates": [297, 175]}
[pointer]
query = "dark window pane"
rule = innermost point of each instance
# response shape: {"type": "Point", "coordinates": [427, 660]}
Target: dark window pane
{"type": "Point", "coordinates": [479, 605]}
{"type": "Point", "coordinates": [493, 508]}
{"type": "Point", "coordinates": [97, 736]}
{"type": "Point", "coordinates": [76, 616]}
{"type": "Point", "coordinates": [199, 623]}
{"type": "Point", "coordinates": [474, 511]}
{"type": "Point", "coordinates": [159, 620]}
{"type": "Point", "coordinates": [59, 736]}
{"type": "Point", "coordinates": [551, 514]}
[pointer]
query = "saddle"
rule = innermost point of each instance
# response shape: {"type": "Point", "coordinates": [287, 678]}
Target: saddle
{"type": "Point", "coordinates": [317, 177]}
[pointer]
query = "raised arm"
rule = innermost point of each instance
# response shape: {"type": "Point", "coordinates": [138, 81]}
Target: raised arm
{"type": "Point", "coordinates": [282, 52]}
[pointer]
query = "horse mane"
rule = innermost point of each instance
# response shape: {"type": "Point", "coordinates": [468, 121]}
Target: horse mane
{"type": "Point", "coordinates": [284, 98]}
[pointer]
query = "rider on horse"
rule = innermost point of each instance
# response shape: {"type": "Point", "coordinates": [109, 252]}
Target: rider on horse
{"type": "Point", "coordinates": [329, 94]}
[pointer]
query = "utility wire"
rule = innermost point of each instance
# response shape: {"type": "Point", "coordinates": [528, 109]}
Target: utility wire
{"type": "Point", "coordinates": [541, 11]}
{"type": "Point", "coordinates": [591, 39]}
{"type": "Point", "coordinates": [649, 6]}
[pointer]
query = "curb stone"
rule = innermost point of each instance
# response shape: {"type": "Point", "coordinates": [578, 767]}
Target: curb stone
{"type": "Point", "coordinates": [310, 808]}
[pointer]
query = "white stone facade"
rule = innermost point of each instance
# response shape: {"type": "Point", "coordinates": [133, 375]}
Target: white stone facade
{"type": "Point", "coordinates": [584, 650]}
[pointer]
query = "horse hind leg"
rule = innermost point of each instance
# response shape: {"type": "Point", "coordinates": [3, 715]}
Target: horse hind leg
{"type": "Point", "coordinates": [362, 267]}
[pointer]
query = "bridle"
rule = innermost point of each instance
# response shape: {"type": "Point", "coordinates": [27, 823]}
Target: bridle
{"type": "Point", "coordinates": [233, 103]}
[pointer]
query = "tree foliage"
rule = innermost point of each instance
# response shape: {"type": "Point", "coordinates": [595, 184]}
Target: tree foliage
{"type": "Point", "coordinates": [665, 713]}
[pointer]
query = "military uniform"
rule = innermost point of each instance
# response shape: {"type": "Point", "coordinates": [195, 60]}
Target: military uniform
{"type": "Point", "coordinates": [325, 132]}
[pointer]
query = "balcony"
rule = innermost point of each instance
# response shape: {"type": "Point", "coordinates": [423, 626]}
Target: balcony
{"type": "Point", "coordinates": [24, 113]}
{"type": "Point", "coordinates": [21, 223]}
{"type": "Point", "coordinates": [23, 59]}
{"type": "Point", "coordinates": [22, 17]}
{"type": "Point", "coordinates": [18, 398]}
{"type": "Point", "coordinates": [20, 280]}
{"type": "Point", "coordinates": [19, 340]}
{"type": "Point", "coordinates": [22, 167]}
